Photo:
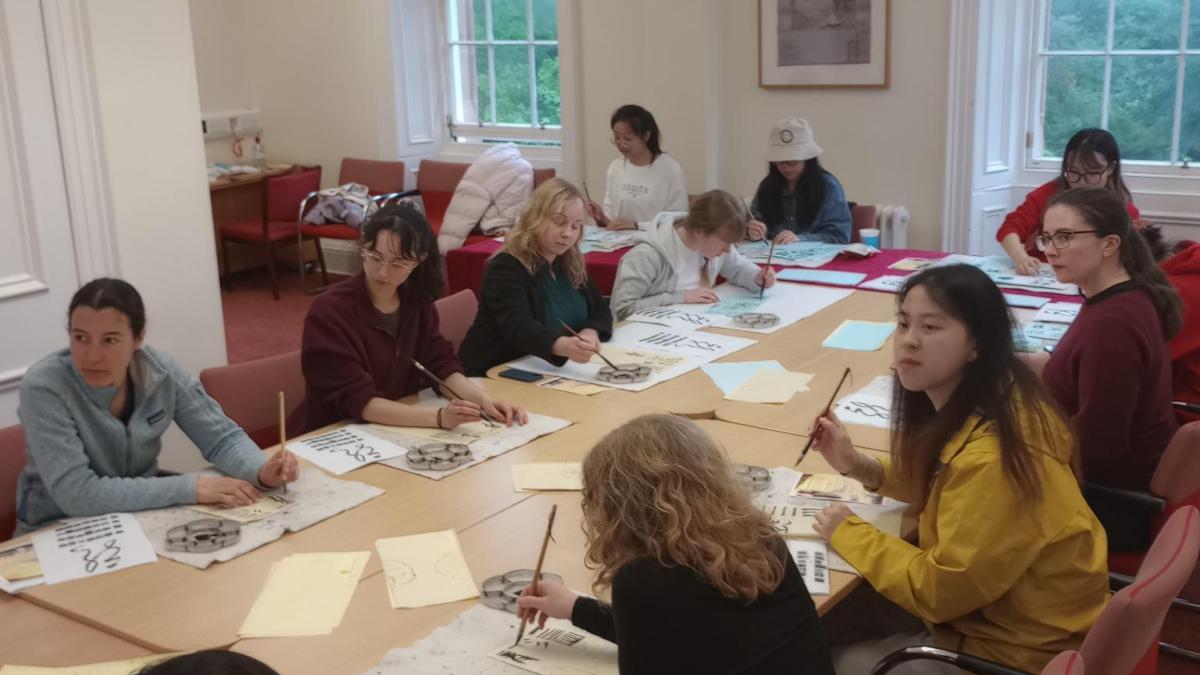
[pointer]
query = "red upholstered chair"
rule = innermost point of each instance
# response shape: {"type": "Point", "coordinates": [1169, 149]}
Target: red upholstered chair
{"type": "Point", "coordinates": [12, 461]}
{"type": "Point", "coordinates": [456, 313]}
{"type": "Point", "coordinates": [248, 393]}
{"type": "Point", "coordinates": [1124, 640]}
{"type": "Point", "coordinates": [862, 217]}
{"type": "Point", "coordinates": [384, 181]}
{"type": "Point", "coordinates": [281, 225]}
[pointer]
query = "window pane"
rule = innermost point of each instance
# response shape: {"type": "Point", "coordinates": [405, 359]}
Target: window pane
{"type": "Point", "coordinates": [471, 23]}
{"type": "Point", "coordinates": [1189, 128]}
{"type": "Point", "coordinates": [512, 85]}
{"type": "Point", "coordinates": [1147, 24]}
{"type": "Point", "coordinates": [1141, 105]}
{"type": "Point", "coordinates": [509, 21]}
{"type": "Point", "coordinates": [1074, 94]}
{"type": "Point", "coordinates": [549, 104]}
{"type": "Point", "coordinates": [545, 19]}
{"type": "Point", "coordinates": [1194, 28]}
{"type": "Point", "coordinates": [471, 100]}
{"type": "Point", "coordinates": [1078, 24]}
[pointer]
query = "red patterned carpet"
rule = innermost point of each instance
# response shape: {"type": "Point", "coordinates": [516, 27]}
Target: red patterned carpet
{"type": "Point", "coordinates": [256, 325]}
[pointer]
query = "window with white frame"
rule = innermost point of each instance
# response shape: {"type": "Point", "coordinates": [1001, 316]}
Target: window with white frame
{"type": "Point", "coordinates": [503, 62]}
{"type": "Point", "coordinates": [1129, 66]}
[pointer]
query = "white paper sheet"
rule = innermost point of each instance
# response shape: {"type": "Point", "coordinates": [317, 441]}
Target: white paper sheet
{"type": "Point", "coordinates": [675, 316]}
{"type": "Point", "coordinates": [870, 406]}
{"type": "Point", "coordinates": [1058, 312]}
{"type": "Point", "coordinates": [87, 547]}
{"type": "Point", "coordinates": [704, 347]}
{"type": "Point", "coordinates": [888, 283]}
{"type": "Point", "coordinates": [345, 449]}
{"type": "Point", "coordinates": [812, 559]}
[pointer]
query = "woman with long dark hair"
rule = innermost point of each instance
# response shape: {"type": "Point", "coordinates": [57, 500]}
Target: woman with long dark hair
{"type": "Point", "coordinates": [1091, 159]}
{"type": "Point", "coordinates": [1111, 371]}
{"type": "Point", "coordinates": [1010, 564]}
{"type": "Point", "coordinates": [798, 200]}
{"type": "Point", "coordinates": [644, 181]}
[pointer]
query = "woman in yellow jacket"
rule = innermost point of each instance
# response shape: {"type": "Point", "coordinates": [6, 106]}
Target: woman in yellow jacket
{"type": "Point", "coordinates": [1010, 564]}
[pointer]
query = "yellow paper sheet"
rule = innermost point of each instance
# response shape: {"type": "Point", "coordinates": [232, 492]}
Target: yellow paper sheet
{"type": "Point", "coordinates": [265, 506]}
{"type": "Point", "coordinates": [832, 486]}
{"type": "Point", "coordinates": [547, 476]}
{"type": "Point", "coordinates": [770, 386]}
{"type": "Point", "coordinates": [624, 356]}
{"type": "Point", "coordinates": [425, 569]}
{"type": "Point", "coordinates": [572, 386]}
{"type": "Point", "coordinates": [463, 433]}
{"type": "Point", "coordinates": [305, 594]}
{"type": "Point", "coordinates": [19, 563]}
{"type": "Point", "coordinates": [124, 667]}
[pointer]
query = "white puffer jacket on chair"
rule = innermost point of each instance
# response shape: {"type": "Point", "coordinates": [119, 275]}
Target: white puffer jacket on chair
{"type": "Point", "coordinates": [491, 194]}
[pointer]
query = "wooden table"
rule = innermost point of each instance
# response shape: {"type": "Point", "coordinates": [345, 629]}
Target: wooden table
{"type": "Point", "coordinates": [237, 198]}
{"type": "Point", "coordinates": [35, 635]}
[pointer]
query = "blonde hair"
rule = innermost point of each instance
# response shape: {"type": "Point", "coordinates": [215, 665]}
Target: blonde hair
{"type": "Point", "coordinates": [545, 204]}
{"type": "Point", "coordinates": [660, 487]}
{"type": "Point", "coordinates": [720, 213]}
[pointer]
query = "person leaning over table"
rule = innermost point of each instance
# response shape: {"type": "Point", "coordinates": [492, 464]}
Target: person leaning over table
{"type": "Point", "coordinates": [534, 285]}
{"type": "Point", "coordinates": [362, 336]}
{"type": "Point", "coordinates": [94, 415]}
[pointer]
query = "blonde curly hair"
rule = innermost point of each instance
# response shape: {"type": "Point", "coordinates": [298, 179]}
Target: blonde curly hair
{"type": "Point", "coordinates": [545, 205]}
{"type": "Point", "coordinates": [660, 487]}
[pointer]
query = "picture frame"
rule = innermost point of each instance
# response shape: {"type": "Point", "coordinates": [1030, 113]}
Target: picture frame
{"type": "Point", "coordinates": [831, 44]}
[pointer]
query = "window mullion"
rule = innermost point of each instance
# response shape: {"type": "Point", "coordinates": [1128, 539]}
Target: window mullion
{"type": "Point", "coordinates": [533, 93]}
{"type": "Point", "coordinates": [491, 53]}
{"type": "Point", "coordinates": [1108, 49]}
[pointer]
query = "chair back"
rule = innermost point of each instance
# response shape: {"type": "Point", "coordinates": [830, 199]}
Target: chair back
{"type": "Point", "coordinates": [541, 176]}
{"type": "Point", "coordinates": [1177, 476]}
{"type": "Point", "coordinates": [1066, 663]}
{"type": "Point", "coordinates": [248, 393]}
{"type": "Point", "coordinates": [862, 217]}
{"type": "Point", "coordinates": [286, 192]}
{"type": "Point", "coordinates": [381, 178]}
{"type": "Point", "coordinates": [456, 313]}
{"type": "Point", "coordinates": [12, 461]}
{"type": "Point", "coordinates": [1124, 640]}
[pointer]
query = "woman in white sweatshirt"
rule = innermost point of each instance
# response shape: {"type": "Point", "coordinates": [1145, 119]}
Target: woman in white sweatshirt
{"type": "Point", "coordinates": [681, 255]}
{"type": "Point", "coordinates": [644, 181]}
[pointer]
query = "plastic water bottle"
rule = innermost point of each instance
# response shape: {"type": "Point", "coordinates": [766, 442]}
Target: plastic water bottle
{"type": "Point", "coordinates": [258, 155]}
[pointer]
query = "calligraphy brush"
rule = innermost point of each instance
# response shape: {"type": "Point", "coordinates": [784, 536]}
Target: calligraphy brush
{"type": "Point", "coordinates": [813, 436]}
{"type": "Point", "coordinates": [762, 288]}
{"type": "Point", "coordinates": [537, 572]}
{"type": "Point", "coordinates": [283, 431]}
{"type": "Point", "coordinates": [572, 331]}
{"type": "Point", "coordinates": [488, 419]}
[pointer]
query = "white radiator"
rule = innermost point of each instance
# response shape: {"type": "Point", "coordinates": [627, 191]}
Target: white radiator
{"type": "Point", "coordinates": [892, 222]}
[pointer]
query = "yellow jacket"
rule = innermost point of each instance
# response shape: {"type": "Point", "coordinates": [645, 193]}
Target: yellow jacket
{"type": "Point", "coordinates": [992, 575]}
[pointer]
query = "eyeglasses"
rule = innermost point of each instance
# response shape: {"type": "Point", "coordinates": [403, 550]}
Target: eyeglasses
{"type": "Point", "coordinates": [392, 265]}
{"type": "Point", "coordinates": [1087, 177]}
{"type": "Point", "coordinates": [1060, 239]}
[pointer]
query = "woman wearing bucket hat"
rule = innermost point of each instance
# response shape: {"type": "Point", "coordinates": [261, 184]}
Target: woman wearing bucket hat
{"type": "Point", "coordinates": [798, 200]}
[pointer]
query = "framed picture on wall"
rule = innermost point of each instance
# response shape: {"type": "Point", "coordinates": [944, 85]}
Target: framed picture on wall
{"type": "Point", "coordinates": [824, 43]}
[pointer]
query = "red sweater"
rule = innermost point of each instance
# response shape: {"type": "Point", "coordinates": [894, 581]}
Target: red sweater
{"type": "Point", "coordinates": [348, 358]}
{"type": "Point", "coordinates": [1183, 270]}
{"type": "Point", "coordinates": [1026, 220]}
{"type": "Point", "coordinates": [1111, 373]}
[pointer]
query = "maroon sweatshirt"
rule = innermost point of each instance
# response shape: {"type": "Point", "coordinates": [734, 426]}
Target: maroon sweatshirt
{"type": "Point", "coordinates": [349, 357]}
{"type": "Point", "coordinates": [1111, 372]}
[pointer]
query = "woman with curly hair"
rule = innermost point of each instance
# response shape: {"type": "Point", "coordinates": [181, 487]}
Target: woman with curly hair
{"type": "Point", "coordinates": [700, 582]}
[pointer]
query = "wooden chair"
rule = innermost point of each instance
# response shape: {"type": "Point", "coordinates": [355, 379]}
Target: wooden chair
{"type": "Point", "coordinates": [12, 460]}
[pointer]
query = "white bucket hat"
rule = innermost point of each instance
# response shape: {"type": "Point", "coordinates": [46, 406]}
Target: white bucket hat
{"type": "Point", "coordinates": [792, 140]}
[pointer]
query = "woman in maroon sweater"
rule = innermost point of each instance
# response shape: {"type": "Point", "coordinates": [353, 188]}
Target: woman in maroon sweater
{"type": "Point", "coordinates": [1111, 371]}
{"type": "Point", "coordinates": [362, 336]}
{"type": "Point", "coordinates": [1091, 158]}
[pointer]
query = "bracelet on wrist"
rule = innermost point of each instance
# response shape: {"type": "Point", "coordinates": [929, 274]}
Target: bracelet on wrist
{"type": "Point", "coordinates": [439, 417]}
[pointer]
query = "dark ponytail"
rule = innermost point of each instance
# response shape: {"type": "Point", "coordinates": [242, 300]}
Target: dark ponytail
{"type": "Point", "coordinates": [642, 123]}
{"type": "Point", "coordinates": [118, 294]}
{"type": "Point", "coordinates": [1106, 212]}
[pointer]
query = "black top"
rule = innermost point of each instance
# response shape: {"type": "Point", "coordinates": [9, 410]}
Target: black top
{"type": "Point", "coordinates": [668, 620]}
{"type": "Point", "coordinates": [510, 323]}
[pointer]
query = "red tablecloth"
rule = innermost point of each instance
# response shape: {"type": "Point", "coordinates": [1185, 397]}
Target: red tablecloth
{"type": "Point", "coordinates": [464, 267]}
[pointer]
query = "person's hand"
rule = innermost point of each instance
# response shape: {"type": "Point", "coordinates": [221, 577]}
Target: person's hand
{"type": "Point", "coordinates": [786, 237]}
{"type": "Point", "coordinates": [283, 467]}
{"type": "Point", "coordinates": [596, 212]}
{"type": "Point", "coordinates": [831, 440]}
{"type": "Point", "coordinates": [458, 411]}
{"type": "Point", "coordinates": [573, 348]}
{"type": "Point", "coordinates": [591, 338]}
{"type": "Point", "coordinates": [224, 491]}
{"type": "Point", "coordinates": [621, 224]}
{"type": "Point", "coordinates": [506, 412]}
{"type": "Point", "coordinates": [700, 296]}
{"type": "Point", "coordinates": [756, 230]}
{"type": "Point", "coordinates": [829, 518]}
{"type": "Point", "coordinates": [765, 277]}
{"type": "Point", "coordinates": [552, 600]}
{"type": "Point", "coordinates": [1027, 265]}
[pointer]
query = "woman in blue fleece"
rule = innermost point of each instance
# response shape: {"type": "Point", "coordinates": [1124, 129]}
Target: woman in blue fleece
{"type": "Point", "coordinates": [94, 416]}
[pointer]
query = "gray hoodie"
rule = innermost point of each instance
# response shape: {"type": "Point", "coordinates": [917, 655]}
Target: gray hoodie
{"type": "Point", "coordinates": [646, 276]}
{"type": "Point", "coordinates": [84, 462]}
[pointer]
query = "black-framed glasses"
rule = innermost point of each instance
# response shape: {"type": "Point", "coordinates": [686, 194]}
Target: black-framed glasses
{"type": "Point", "coordinates": [1086, 177]}
{"type": "Point", "coordinates": [1060, 239]}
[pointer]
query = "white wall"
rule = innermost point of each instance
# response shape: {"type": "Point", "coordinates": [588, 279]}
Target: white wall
{"type": "Point", "coordinates": [150, 118]}
{"type": "Point", "coordinates": [222, 69]}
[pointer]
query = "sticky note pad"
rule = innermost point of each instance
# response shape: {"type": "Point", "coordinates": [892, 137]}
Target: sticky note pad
{"type": "Point", "coordinates": [305, 594]}
{"type": "Point", "coordinates": [730, 376]}
{"type": "Point", "coordinates": [862, 336]}
{"type": "Point", "coordinates": [830, 277]}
